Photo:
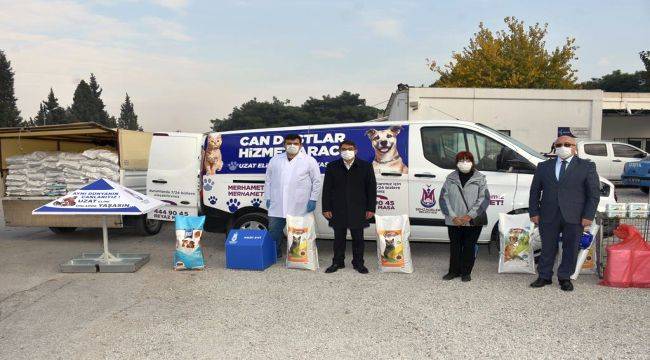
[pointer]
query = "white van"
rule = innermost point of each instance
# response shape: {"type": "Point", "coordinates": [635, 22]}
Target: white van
{"type": "Point", "coordinates": [423, 152]}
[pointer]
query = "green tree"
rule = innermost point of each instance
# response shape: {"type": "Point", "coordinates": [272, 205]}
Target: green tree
{"type": "Point", "coordinates": [50, 112]}
{"type": "Point", "coordinates": [618, 81]}
{"type": "Point", "coordinates": [87, 104]}
{"type": "Point", "coordinates": [255, 114]}
{"type": "Point", "coordinates": [83, 106]}
{"type": "Point", "coordinates": [516, 58]}
{"type": "Point", "coordinates": [9, 113]}
{"type": "Point", "coordinates": [128, 119]}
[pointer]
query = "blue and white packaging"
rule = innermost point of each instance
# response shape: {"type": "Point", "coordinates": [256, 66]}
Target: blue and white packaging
{"type": "Point", "coordinates": [188, 254]}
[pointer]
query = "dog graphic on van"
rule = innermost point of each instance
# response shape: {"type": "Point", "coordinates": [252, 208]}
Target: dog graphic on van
{"type": "Point", "coordinates": [387, 157]}
{"type": "Point", "coordinates": [212, 160]}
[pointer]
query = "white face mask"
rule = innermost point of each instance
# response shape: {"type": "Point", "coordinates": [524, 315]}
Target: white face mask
{"type": "Point", "coordinates": [464, 166]}
{"type": "Point", "coordinates": [564, 152]}
{"type": "Point", "coordinates": [292, 149]}
{"type": "Point", "coordinates": [347, 154]}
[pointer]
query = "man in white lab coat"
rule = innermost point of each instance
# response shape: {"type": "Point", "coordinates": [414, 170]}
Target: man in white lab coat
{"type": "Point", "coordinates": [292, 186]}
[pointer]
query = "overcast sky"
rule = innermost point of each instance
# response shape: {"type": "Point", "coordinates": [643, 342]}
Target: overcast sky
{"type": "Point", "coordinates": [184, 62]}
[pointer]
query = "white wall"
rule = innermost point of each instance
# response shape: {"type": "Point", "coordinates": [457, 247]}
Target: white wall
{"type": "Point", "coordinates": [531, 115]}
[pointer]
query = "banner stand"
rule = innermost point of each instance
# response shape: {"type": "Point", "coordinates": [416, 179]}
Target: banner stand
{"type": "Point", "coordinates": [105, 261]}
{"type": "Point", "coordinates": [102, 197]}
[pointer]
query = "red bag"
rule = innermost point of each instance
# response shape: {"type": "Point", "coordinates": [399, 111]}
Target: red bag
{"type": "Point", "coordinates": [628, 262]}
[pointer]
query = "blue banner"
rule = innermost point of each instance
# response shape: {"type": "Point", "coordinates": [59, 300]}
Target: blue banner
{"type": "Point", "coordinates": [250, 152]}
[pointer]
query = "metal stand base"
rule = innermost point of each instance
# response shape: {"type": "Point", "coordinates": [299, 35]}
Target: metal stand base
{"type": "Point", "coordinates": [96, 262]}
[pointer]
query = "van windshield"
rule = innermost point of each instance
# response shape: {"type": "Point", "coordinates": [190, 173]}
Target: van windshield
{"type": "Point", "coordinates": [521, 145]}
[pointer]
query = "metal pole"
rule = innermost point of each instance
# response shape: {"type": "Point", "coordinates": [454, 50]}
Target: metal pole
{"type": "Point", "coordinates": [105, 235]}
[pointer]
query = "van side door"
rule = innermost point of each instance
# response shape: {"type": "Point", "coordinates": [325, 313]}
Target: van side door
{"type": "Point", "coordinates": [174, 174]}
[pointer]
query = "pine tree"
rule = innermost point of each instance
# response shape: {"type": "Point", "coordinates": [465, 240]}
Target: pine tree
{"type": "Point", "coordinates": [83, 106]}
{"type": "Point", "coordinates": [50, 112]}
{"type": "Point", "coordinates": [88, 106]}
{"type": "Point", "coordinates": [102, 116]}
{"type": "Point", "coordinates": [128, 118]}
{"type": "Point", "coordinates": [9, 113]}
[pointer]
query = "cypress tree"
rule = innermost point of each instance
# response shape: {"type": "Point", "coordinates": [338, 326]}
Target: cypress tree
{"type": "Point", "coordinates": [128, 118]}
{"type": "Point", "coordinates": [9, 113]}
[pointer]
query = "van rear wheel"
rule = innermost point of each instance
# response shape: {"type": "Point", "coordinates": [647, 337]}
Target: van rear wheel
{"type": "Point", "coordinates": [253, 221]}
{"type": "Point", "coordinates": [148, 227]}
{"type": "Point", "coordinates": [645, 189]}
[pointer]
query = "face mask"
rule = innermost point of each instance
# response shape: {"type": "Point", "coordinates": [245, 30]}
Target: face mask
{"type": "Point", "coordinates": [347, 154]}
{"type": "Point", "coordinates": [464, 166]}
{"type": "Point", "coordinates": [292, 149]}
{"type": "Point", "coordinates": [563, 152]}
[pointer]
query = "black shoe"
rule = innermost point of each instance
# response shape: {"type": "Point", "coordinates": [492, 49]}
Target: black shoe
{"type": "Point", "coordinates": [566, 285]}
{"type": "Point", "coordinates": [450, 276]}
{"type": "Point", "coordinates": [361, 269]}
{"type": "Point", "coordinates": [333, 268]}
{"type": "Point", "coordinates": [466, 278]}
{"type": "Point", "coordinates": [540, 283]}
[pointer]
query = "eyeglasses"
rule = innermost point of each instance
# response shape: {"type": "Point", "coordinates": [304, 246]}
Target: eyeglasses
{"type": "Point", "coordinates": [558, 145]}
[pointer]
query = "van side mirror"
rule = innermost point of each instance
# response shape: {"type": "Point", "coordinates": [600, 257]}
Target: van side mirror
{"type": "Point", "coordinates": [520, 166]}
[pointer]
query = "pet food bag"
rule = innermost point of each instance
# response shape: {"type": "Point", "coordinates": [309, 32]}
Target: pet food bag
{"type": "Point", "coordinates": [516, 252]}
{"type": "Point", "coordinates": [301, 243]}
{"type": "Point", "coordinates": [393, 250]}
{"type": "Point", "coordinates": [188, 254]}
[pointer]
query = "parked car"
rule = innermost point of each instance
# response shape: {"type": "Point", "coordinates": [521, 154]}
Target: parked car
{"type": "Point", "coordinates": [610, 156]}
{"type": "Point", "coordinates": [637, 173]}
{"type": "Point", "coordinates": [411, 161]}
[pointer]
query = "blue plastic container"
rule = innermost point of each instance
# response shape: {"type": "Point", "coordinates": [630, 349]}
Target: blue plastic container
{"type": "Point", "coordinates": [250, 250]}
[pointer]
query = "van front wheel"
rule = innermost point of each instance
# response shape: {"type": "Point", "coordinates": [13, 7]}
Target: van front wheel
{"type": "Point", "coordinates": [253, 221]}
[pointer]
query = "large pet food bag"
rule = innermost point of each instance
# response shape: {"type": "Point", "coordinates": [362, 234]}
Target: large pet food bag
{"type": "Point", "coordinates": [516, 253]}
{"type": "Point", "coordinates": [188, 254]}
{"type": "Point", "coordinates": [301, 243]}
{"type": "Point", "coordinates": [393, 250]}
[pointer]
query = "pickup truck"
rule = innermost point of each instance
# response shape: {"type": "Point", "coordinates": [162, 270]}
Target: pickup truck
{"type": "Point", "coordinates": [132, 148]}
{"type": "Point", "coordinates": [610, 157]}
{"type": "Point", "coordinates": [637, 173]}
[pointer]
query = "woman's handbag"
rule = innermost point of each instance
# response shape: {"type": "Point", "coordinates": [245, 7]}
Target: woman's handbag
{"type": "Point", "coordinates": [480, 219]}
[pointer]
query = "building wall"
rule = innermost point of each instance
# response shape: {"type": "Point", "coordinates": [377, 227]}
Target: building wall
{"type": "Point", "coordinates": [530, 115]}
{"type": "Point", "coordinates": [633, 129]}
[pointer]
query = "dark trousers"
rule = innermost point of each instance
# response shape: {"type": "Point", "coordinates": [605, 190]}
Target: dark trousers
{"type": "Point", "coordinates": [462, 248]}
{"type": "Point", "coordinates": [550, 232]}
{"type": "Point", "coordinates": [339, 246]}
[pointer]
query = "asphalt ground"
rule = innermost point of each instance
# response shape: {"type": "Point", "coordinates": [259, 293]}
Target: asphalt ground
{"type": "Point", "coordinates": [295, 314]}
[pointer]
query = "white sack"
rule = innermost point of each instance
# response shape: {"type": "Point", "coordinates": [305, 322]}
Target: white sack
{"type": "Point", "coordinates": [393, 249]}
{"type": "Point", "coordinates": [301, 242]}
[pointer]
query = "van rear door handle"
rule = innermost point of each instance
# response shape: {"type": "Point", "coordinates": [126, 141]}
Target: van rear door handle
{"type": "Point", "coordinates": [616, 160]}
{"type": "Point", "coordinates": [391, 174]}
{"type": "Point", "coordinates": [425, 175]}
{"type": "Point", "coordinates": [185, 202]}
{"type": "Point", "coordinates": [159, 181]}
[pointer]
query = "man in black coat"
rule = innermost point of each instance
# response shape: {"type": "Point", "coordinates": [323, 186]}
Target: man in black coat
{"type": "Point", "coordinates": [349, 201]}
{"type": "Point", "coordinates": [564, 197]}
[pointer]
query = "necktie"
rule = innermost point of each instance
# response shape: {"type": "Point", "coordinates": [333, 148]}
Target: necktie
{"type": "Point", "coordinates": [562, 169]}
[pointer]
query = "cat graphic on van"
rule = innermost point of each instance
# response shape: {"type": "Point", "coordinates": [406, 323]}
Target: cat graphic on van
{"type": "Point", "coordinates": [387, 157]}
{"type": "Point", "coordinates": [213, 161]}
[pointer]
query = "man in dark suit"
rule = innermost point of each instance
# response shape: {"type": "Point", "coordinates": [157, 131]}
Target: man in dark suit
{"type": "Point", "coordinates": [563, 200]}
{"type": "Point", "coordinates": [349, 201]}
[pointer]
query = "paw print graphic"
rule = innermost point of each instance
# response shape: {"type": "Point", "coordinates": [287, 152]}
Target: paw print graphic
{"type": "Point", "coordinates": [232, 166]}
{"type": "Point", "coordinates": [233, 205]}
{"type": "Point", "coordinates": [212, 199]}
{"type": "Point", "coordinates": [208, 184]}
{"type": "Point", "coordinates": [256, 202]}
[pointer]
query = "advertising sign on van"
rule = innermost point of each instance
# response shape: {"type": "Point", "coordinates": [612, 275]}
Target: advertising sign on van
{"type": "Point", "coordinates": [250, 152]}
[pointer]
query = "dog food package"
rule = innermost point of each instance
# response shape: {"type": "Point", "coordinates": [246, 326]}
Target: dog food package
{"type": "Point", "coordinates": [301, 243]}
{"type": "Point", "coordinates": [393, 250]}
{"type": "Point", "coordinates": [188, 254]}
{"type": "Point", "coordinates": [516, 252]}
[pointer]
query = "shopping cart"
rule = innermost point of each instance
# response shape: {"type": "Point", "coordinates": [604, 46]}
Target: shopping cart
{"type": "Point", "coordinates": [606, 236]}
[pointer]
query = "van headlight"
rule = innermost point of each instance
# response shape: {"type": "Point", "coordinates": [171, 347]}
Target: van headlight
{"type": "Point", "coordinates": [604, 189]}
